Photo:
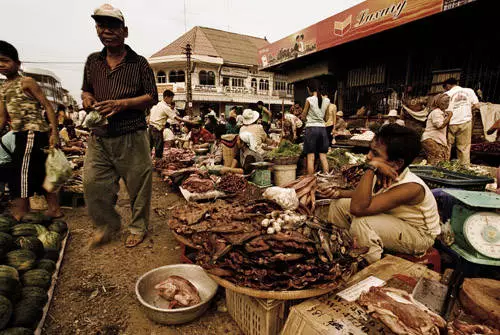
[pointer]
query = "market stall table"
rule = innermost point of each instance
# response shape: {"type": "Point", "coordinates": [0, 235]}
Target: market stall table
{"type": "Point", "coordinates": [330, 314]}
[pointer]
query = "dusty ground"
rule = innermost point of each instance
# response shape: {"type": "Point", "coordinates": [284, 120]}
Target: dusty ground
{"type": "Point", "coordinates": [95, 290]}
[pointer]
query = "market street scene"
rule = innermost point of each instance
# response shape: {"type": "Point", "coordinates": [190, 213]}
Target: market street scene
{"type": "Point", "coordinates": [249, 168]}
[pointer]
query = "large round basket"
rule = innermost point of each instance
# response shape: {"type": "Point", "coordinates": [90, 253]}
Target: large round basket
{"type": "Point", "coordinates": [286, 160]}
{"type": "Point", "coordinates": [278, 295]}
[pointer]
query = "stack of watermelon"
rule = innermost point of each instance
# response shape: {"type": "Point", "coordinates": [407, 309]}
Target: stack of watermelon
{"type": "Point", "coordinates": [29, 251]}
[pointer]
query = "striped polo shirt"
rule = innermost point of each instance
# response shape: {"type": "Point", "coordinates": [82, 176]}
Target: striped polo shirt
{"type": "Point", "coordinates": [132, 78]}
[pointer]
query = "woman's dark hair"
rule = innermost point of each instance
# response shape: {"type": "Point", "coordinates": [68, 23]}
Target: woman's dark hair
{"type": "Point", "coordinates": [219, 131]}
{"type": "Point", "coordinates": [314, 86]}
{"type": "Point", "coordinates": [8, 50]}
{"type": "Point", "coordinates": [401, 143]}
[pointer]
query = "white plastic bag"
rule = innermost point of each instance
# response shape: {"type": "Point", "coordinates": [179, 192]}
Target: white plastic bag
{"type": "Point", "coordinates": [57, 170]}
{"type": "Point", "coordinates": [285, 197]}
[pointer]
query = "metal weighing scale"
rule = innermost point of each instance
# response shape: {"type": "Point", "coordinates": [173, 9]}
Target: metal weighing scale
{"type": "Point", "coordinates": [475, 220]}
{"type": "Point", "coordinates": [261, 176]}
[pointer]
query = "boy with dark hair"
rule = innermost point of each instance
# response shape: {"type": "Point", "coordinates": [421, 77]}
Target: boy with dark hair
{"type": "Point", "coordinates": [20, 100]}
{"type": "Point", "coordinates": [391, 207]}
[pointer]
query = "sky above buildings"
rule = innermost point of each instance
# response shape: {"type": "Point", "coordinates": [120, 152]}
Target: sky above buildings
{"type": "Point", "coordinates": [59, 34]}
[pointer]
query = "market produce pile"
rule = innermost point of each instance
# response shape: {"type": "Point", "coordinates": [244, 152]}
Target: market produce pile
{"type": "Point", "coordinates": [486, 147]}
{"type": "Point", "coordinates": [400, 312]}
{"type": "Point", "coordinates": [285, 149]}
{"type": "Point", "coordinates": [455, 166]}
{"type": "Point", "coordinates": [352, 174]}
{"type": "Point", "coordinates": [234, 241]}
{"type": "Point", "coordinates": [305, 188]}
{"type": "Point", "coordinates": [29, 251]}
{"type": "Point", "coordinates": [198, 183]}
{"type": "Point", "coordinates": [174, 159]}
{"type": "Point", "coordinates": [232, 183]}
{"type": "Point", "coordinates": [338, 158]}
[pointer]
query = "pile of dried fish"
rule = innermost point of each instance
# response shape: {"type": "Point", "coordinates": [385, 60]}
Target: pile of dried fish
{"type": "Point", "coordinates": [232, 183]}
{"type": "Point", "coordinates": [305, 187]}
{"type": "Point", "coordinates": [198, 183]}
{"type": "Point", "coordinates": [234, 241]}
{"type": "Point", "coordinates": [174, 159]}
{"type": "Point", "coordinates": [352, 174]}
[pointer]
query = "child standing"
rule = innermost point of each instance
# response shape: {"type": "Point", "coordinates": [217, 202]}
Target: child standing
{"type": "Point", "coordinates": [20, 100]}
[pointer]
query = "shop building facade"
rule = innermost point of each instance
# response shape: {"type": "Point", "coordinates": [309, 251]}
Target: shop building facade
{"type": "Point", "coordinates": [224, 72]}
{"type": "Point", "coordinates": [380, 53]}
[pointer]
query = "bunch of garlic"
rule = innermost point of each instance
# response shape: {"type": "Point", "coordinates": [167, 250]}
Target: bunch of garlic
{"type": "Point", "coordinates": [277, 221]}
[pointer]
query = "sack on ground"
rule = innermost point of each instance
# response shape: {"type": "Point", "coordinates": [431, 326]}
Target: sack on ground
{"type": "Point", "coordinates": [285, 197]}
{"type": "Point", "coordinates": [58, 170]}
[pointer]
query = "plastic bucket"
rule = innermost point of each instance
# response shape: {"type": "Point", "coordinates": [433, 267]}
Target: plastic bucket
{"type": "Point", "coordinates": [283, 174]}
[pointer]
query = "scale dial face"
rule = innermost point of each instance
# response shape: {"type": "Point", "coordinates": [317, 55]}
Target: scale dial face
{"type": "Point", "coordinates": [482, 231]}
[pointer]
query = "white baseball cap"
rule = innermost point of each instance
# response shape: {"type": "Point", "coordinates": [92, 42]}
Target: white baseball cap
{"type": "Point", "coordinates": [107, 10]}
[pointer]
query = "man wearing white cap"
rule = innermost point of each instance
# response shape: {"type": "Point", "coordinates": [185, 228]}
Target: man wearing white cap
{"type": "Point", "coordinates": [120, 85]}
{"type": "Point", "coordinates": [394, 118]}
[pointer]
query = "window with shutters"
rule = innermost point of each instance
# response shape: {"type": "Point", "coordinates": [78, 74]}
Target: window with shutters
{"type": "Point", "coordinates": [264, 85]}
{"type": "Point", "coordinates": [176, 76]}
{"type": "Point", "coordinates": [161, 77]}
{"type": "Point", "coordinates": [237, 82]}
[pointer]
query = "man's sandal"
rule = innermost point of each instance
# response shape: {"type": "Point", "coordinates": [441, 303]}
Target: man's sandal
{"type": "Point", "coordinates": [134, 239]}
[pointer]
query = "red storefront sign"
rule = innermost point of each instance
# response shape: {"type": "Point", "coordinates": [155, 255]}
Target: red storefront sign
{"type": "Point", "coordinates": [364, 19]}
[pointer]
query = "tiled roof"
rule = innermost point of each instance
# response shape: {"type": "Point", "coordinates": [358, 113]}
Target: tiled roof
{"type": "Point", "coordinates": [231, 47]}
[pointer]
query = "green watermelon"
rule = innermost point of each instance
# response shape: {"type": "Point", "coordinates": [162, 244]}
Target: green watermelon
{"type": "Point", "coordinates": [8, 271]}
{"type": "Point", "coordinates": [37, 277]}
{"type": "Point", "coordinates": [30, 243]}
{"type": "Point", "coordinates": [36, 217]}
{"type": "Point", "coordinates": [26, 314]}
{"type": "Point", "coordinates": [6, 242]}
{"type": "Point", "coordinates": [23, 229]}
{"type": "Point", "coordinates": [47, 264]}
{"type": "Point", "coordinates": [17, 331]}
{"type": "Point", "coordinates": [40, 229]}
{"type": "Point", "coordinates": [21, 259]}
{"type": "Point", "coordinates": [50, 240]}
{"type": "Point", "coordinates": [5, 311]}
{"type": "Point", "coordinates": [59, 226]}
{"type": "Point", "coordinates": [8, 287]}
{"type": "Point", "coordinates": [5, 227]}
{"type": "Point", "coordinates": [37, 295]}
{"type": "Point", "coordinates": [4, 218]}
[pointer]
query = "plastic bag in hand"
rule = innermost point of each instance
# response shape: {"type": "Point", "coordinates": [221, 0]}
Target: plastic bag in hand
{"type": "Point", "coordinates": [58, 170]}
{"type": "Point", "coordinates": [94, 120]}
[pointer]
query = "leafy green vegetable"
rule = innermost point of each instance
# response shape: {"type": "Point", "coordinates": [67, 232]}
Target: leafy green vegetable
{"type": "Point", "coordinates": [454, 166]}
{"type": "Point", "coordinates": [286, 149]}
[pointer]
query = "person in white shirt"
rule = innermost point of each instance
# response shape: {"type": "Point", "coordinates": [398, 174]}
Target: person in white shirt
{"type": "Point", "coordinates": [462, 102]}
{"type": "Point", "coordinates": [82, 114]}
{"type": "Point", "coordinates": [393, 117]}
{"type": "Point", "coordinates": [160, 113]}
{"type": "Point", "coordinates": [315, 138]}
{"type": "Point", "coordinates": [168, 136]}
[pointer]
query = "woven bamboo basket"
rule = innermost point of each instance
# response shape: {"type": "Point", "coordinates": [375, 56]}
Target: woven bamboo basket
{"type": "Point", "coordinates": [286, 160]}
{"type": "Point", "coordinates": [279, 295]}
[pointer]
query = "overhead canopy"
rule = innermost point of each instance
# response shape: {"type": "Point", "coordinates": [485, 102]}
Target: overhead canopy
{"type": "Point", "coordinates": [365, 19]}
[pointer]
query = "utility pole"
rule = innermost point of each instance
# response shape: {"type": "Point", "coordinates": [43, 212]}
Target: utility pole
{"type": "Point", "coordinates": [189, 95]}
